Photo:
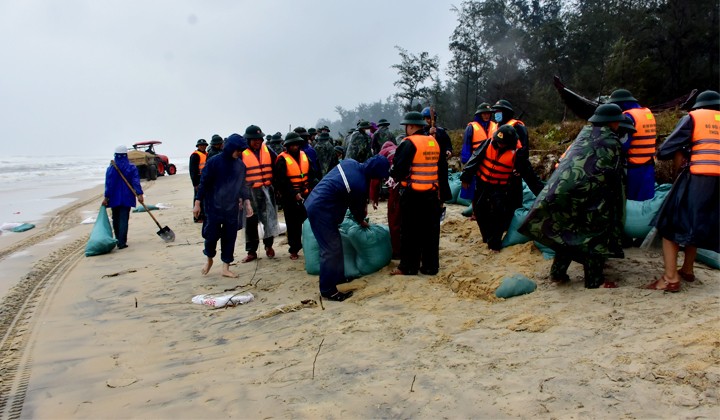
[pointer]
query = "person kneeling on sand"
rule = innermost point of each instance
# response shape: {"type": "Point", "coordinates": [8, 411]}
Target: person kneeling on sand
{"type": "Point", "coordinates": [345, 186]}
{"type": "Point", "coordinates": [223, 192]}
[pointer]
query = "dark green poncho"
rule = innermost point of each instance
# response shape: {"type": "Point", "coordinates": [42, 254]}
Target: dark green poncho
{"type": "Point", "coordinates": [581, 209]}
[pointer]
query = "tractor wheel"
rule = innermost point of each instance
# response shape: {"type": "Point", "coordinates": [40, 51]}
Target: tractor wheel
{"type": "Point", "coordinates": [142, 171]}
{"type": "Point", "coordinates": [152, 172]}
{"type": "Point", "coordinates": [171, 170]}
{"type": "Point", "coordinates": [160, 168]}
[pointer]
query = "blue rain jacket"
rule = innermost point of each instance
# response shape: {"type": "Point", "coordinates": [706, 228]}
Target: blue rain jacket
{"type": "Point", "coordinates": [117, 192]}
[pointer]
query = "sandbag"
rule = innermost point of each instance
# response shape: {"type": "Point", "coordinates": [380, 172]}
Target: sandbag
{"type": "Point", "coordinates": [101, 238]}
{"type": "Point", "coordinates": [372, 247]}
{"type": "Point", "coordinates": [23, 227]}
{"type": "Point", "coordinates": [455, 185]}
{"type": "Point", "coordinates": [710, 258]}
{"type": "Point", "coordinates": [515, 285]}
{"type": "Point", "coordinates": [548, 253]}
{"type": "Point", "coordinates": [311, 251]}
{"type": "Point", "coordinates": [141, 208]}
{"type": "Point", "coordinates": [512, 236]}
{"type": "Point", "coordinates": [639, 214]}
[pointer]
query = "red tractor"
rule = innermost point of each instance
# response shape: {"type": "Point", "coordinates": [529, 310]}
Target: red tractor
{"type": "Point", "coordinates": [162, 162]}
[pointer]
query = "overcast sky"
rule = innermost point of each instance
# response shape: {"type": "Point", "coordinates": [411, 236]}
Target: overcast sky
{"type": "Point", "coordinates": [82, 76]}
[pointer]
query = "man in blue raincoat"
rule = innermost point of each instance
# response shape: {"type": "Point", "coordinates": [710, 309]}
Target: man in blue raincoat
{"type": "Point", "coordinates": [345, 186]}
{"type": "Point", "coordinates": [119, 197]}
{"type": "Point", "coordinates": [223, 192]}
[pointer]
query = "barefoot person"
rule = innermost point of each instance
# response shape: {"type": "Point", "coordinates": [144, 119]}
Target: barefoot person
{"type": "Point", "coordinates": [223, 193]}
{"type": "Point", "coordinates": [690, 215]}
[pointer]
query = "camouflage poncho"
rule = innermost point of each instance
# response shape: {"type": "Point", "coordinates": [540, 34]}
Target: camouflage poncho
{"type": "Point", "coordinates": [327, 158]}
{"type": "Point", "coordinates": [358, 147]}
{"type": "Point", "coordinates": [581, 209]}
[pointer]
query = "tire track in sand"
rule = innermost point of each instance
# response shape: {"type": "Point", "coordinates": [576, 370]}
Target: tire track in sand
{"type": "Point", "coordinates": [17, 319]}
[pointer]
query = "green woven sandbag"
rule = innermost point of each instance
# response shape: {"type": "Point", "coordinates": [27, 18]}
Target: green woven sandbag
{"type": "Point", "coordinates": [639, 214]}
{"type": "Point", "coordinates": [141, 209]}
{"type": "Point", "coordinates": [101, 238]}
{"type": "Point", "coordinates": [372, 247]}
{"type": "Point", "coordinates": [311, 251]}
{"type": "Point", "coordinates": [710, 258]}
{"type": "Point", "coordinates": [468, 211]}
{"type": "Point", "coordinates": [513, 237]}
{"type": "Point", "coordinates": [515, 285]}
{"type": "Point", "coordinates": [22, 228]}
{"type": "Point", "coordinates": [548, 253]}
{"type": "Point", "coordinates": [455, 186]}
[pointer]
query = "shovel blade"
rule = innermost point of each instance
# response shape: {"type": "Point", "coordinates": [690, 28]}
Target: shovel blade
{"type": "Point", "coordinates": [166, 234]}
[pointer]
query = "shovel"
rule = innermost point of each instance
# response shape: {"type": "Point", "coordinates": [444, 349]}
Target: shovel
{"type": "Point", "coordinates": [165, 233]}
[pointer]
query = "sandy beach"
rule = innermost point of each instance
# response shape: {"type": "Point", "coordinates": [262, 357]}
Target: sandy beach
{"type": "Point", "coordinates": [116, 336]}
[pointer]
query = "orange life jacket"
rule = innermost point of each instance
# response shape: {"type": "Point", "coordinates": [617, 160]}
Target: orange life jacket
{"type": "Point", "coordinates": [497, 167]}
{"type": "Point", "coordinates": [424, 166]}
{"type": "Point", "coordinates": [479, 133]}
{"type": "Point", "coordinates": [642, 143]}
{"type": "Point", "coordinates": [705, 149]}
{"type": "Point", "coordinates": [258, 173]}
{"type": "Point", "coordinates": [297, 173]}
{"type": "Point", "coordinates": [203, 159]}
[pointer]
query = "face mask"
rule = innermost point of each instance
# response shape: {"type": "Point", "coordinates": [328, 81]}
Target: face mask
{"type": "Point", "coordinates": [498, 116]}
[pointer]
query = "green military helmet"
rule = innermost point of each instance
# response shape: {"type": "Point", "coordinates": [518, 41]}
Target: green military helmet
{"type": "Point", "coordinates": [293, 138]}
{"type": "Point", "coordinates": [301, 131]}
{"type": "Point", "coordinates": [607, 113]}
{"type": "Point", "coordinates": [484, 107]}
{"type": "Point", "coordinates": [627, 124]}
{"type": "Point", "coordinates": [201, 142]}
{"type": "Point", "coordinates": [216, 140]}
{"type": "Point", "coordinates": [503, 105]}
{"type": "Point", "coordinates": [506, 136]}
{"type": "Point", "coordinates": [708, 98]}
{"type": "Point", "coordinates": [312, 131]}
{"type": "Point", "coordinates": [362, 124]}
{"type": "Point", "coordinates": [621, 95]}
{"type": "Point", "coordinates": [413, 118]}
{"type": "Point", "coordinates": [383, 122]}
{"type": "Point", "coordinates": [268, 137]}
{"type": "Point", "coordinates": [322, 136]}
{"type": "Point", "coordinates": [277, 136]}
{"type": "Point", "coordinates": [253, 132]}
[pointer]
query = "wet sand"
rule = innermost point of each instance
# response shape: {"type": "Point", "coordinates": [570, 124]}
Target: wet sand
{"type": "Point", "coordinates": [115, 336]}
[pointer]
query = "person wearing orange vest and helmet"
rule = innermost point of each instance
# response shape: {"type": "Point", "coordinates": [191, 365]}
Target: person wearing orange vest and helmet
{"type": "Point", "coordinates": [505, 114]}
{"type": "Point", "coordinates": [492, 165]}
{"type": "Point", "coordinates": [415, 167]}
{"type": "Point", "coordinates": [294, 178]}
{"type": "Point", "coordinates": [639, 147]}
{"type": "Point", "coordinates": [197, 163]}
{"type": "Point", "coordinates": [258, 160]}
{"type": "Point", "coordinates": [481, 128]}
{"type": "Point", "coordinates": [690, 217]}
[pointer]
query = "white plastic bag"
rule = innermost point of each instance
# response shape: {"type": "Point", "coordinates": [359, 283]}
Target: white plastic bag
{"type": "Point", "coordinates": [220, 300]}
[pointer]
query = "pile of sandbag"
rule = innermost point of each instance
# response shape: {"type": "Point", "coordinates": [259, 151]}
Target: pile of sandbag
{"type": "Point", "coordinates": [365, 251]}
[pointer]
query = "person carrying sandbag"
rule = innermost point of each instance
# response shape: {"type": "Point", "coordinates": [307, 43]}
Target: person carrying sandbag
{"type": "Point", "coordinates": [345, 186]}
{"type": "Point", "coordinates": [118, 196]}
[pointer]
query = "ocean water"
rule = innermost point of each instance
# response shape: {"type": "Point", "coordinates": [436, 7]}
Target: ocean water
{"type": "Point", "coordinates": [32, 187]}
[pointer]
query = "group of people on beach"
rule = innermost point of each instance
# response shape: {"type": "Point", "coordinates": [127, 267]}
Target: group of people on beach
{"type": "Point", "coordinates": [243, 181]}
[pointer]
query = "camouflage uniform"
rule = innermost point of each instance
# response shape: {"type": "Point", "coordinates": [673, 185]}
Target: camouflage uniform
{"type": "Point", "coordinates": [276, 143]}
{"type": "Point", "coordinates": [326, 156]}
{"type": "Point", "coordinates": [358, 147]}
{"type": "Point", "coordinates": [580, 212]}
{"type": "Point", "coordinates": [382, 135]}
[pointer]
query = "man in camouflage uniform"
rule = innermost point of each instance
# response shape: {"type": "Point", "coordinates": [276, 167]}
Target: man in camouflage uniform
{"type": "Point", "coordinates": [382, 135]}
{"type": "Point", "coordinates": [326, 156]}
{"type": "Point", "coordinates": [276, 143]}
{"type": "Point", "coordinates": [358, 145]}
{"type": "Point", "coordinates": [580, 212]}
